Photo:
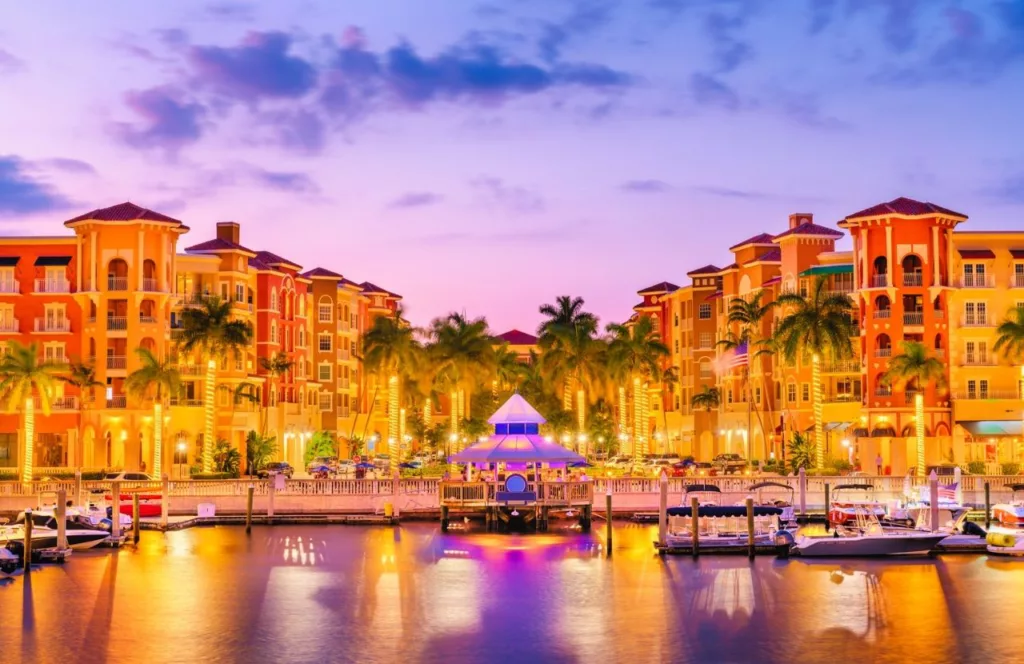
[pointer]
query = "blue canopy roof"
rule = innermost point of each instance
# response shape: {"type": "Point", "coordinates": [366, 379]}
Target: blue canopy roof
{"type": "Point", "coordinates": [724, 510]}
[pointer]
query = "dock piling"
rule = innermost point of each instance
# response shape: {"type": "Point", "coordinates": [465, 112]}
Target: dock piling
{"type": "Point", "coordinates": [444, 518]}
{"type": "Point", "coordinates": [248, 508]}
{"type": "Point", "coordinates": [165, 496]}
{"type": "Point", "coordinates": [78, 488]}
{"type": "Point", "coordinates": [115, 510]}
{"type": "Point", "coordinates": [988, 506]}
{"type": "Point", "coordinates": [828, 521]}
{"type": "Point", "coordinates": [608, 519]}
{"type": "Point", "coordinates": [663, 510]}
{"type": "Point", "coordinates": [61, 514]}
{"type": "Point", "coordinates": [933, 497]}
{"type": "Point", "coordinates": [695, 525]}
{"type": "Point", "coordinates": [135, 517]}
{"type": "Point", "coordinates": [803, 491]}
{"type": "Point", "coordinates": [27, 562]}
{"type": "Point", "coordinates": [750, 528]}
{"type": "Point", "coordinates": [270, 499]}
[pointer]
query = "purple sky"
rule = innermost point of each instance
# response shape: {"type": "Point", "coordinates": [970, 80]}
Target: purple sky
{"type": "Point", "coordinates": [487, 157]}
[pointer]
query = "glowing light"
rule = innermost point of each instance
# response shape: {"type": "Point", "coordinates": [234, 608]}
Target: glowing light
{"type": "Point", "coordinates": [548, 439]}
{"type": "Point", "coordinates": [209, 415]}
{"type": "Point", "coordinates": [581, 411]}
{"type": "Point", "coordinates": [819, 433]}
{"type": "Point", "coordinates": [158, 440]}
{"type": "Point", "coordinates": [30, 438]}
{"type": "Point", "coordinates": [919, 426]}
{"type": "Point", "coordinates": [393, 424]}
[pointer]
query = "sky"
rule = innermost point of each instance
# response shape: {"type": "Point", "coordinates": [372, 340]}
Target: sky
{"type": "Point", "coordinates": [488, 156]}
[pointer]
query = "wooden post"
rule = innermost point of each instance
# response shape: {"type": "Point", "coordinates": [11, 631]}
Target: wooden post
{"type": "Point", "coordinates": [695, 525]}
{"type": "Point", "coordinates": [78, 488]}
{"type": "Point", "coordinates": [803, 491]}
{"type": "Point", "coordinates": [115, 510]}
{"type": "Point", "coordinates": [663, 510]}
{"type": "Point", "coordinates": [988, 506]}
{"type": "Point", "coordinates": [136, 518]}
{"type": "Point", "coordinates": [165, 497]}
{"type": "Point", "coordinates": [444, 518]}
{"type": "Point", "coordinates": [248, 508]}
{"type": "Point", "coordinates": [828, 521]}
{"type": "Point", "coordinates": [62, 523]}
{"type": "Point", "coordinates": [27, 562]}
{"type": "Point", "coordinates": [270, 499]}
{"type": "Point", "coordinates": [750, 528]}
{"type": "Point", "coordinates": [608, 519]}
{"type": "Point", "coordinates": [933, 499]}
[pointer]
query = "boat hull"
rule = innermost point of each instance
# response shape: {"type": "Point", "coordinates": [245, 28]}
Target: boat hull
{"type": "Point", "coordinates": [866, 546]}
{"type": "Point", "coordinates": [1008, 515]}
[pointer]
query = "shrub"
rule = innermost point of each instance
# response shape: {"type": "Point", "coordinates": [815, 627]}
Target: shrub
{"type": "Point", "coordinates": [214, 476]}
{"type": "Point", "coordinates": [841, 466]}
{"type": "Point", "coordinates": [1011, 468]}
{"type": "Point", "coordinates": [976, 467]}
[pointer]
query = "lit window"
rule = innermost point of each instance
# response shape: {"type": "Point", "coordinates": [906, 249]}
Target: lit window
{"type": "Point", "coordinates": [806, 390]}
{"type": "Point", "coordinates": [325, 312]}
{"type": "Point", "coordinates": [791, 392]}
{"type": "Point", "coordinates": [273, 299]}
{"type": "Point", "coordinates": [324, 374]}
{"type": "Point", "coordinates": [704, 311]}
{"type": "Point", "coordinates": [324, 342]}
{"type": "Point", "coordinates": [325, 401]}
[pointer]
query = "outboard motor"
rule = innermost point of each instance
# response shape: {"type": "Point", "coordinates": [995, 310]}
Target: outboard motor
{"type": "Point", "coordinates": [972, 528]}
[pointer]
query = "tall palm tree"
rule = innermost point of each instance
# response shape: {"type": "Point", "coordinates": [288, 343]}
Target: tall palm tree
{"type": "Point", "coordinates": [275, 367]}
{"type": "Point", "coordinates": [709, 398]}
{"type": "Point", "coordinates": [210, 330]}
{"type": "Point", "coordinates": [578, 358]}
{"type": "Point", "coordinates": [818, 325]}
{"type": "Point", "coordinates": [669, 380]}
{"type": "Point", "coordinates": [1010, 340]}
{"type": "Point", "coordinates": [157, 378]}
{"type": "Point", "coordinates": [565, 314]}
{"type": "Point", "coordinates": [636, 353]}
{"type": "Point", "coordinates": [23, 378]}
{"type": "Point", "coordinates": [392, 353]}
{"type": "Point", "coordinates": [82, 376]}
{"type": "Point", "coordinates": [464, 358]}
{"type": "Point", "coordinates": [914, 368]}
{"type": "Point", "coordinates": [747, 316]}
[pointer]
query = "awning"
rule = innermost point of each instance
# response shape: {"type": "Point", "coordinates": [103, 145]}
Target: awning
{"type": "Point", "coordinates": [837, 426]}
{"type": "Point", "coordinates": [883, 430]}
{"type": "Point", "coordinates": [9, 261]}
{"type": "Point", "coordinates": [860, 432]}
{"type": "Point", "coordinates": [992, 427]}
{"type": "Point", "coordinates": [839, 268]}
{"type": "Point", "coordinates": [52, 261]}
{"type": "Point", "coordinates": [713, 296]}
{"type": "Point", "coordinates": [1017, 253]}
{"type": "Point", "coordinates": [976, 253]}
{"type": "Point", "coordinates": [719, 511]}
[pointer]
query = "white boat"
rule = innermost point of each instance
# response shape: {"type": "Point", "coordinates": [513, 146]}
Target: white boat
{"type": "Point", "coordinates": [776, 494]}
{"type": "Point", "coordinates": [9, 562]}
{"type": "Point", "coordinates": [867, 537]}
{"type": "Point", "coordinates": [720, 525]}
{"type": "Point", "coordinates": [1005, 543]}
{"type": "Point", "coordinates": [844, 508]}
{"type": "Point", "coordinates": [1010, 513]}
{"type": "Point", "coordinates": [79, 535]}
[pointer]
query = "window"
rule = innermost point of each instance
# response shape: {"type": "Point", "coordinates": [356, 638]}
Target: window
{"type": "Point", "coordinates": [791, 392]}
{"type": "Point", "coordinates": [324, 342]}
{"type": "Point", "coordinates": [805, 389]}
{"type": "Point", "coordinates": [778, 391]}
{"type": "Point", "coordinates": [706, 371]}
{"type": "Point", "coordinates": [224, 291]}
{"type": "Point", "coordinates": [273, 332]}
{"type": "Point", "coordinates": [238, 362]}
{"type": "Point", "coordinates": [983, 389]}
{"type": "Point", "coordinates": [677, 346]}
{"type": "Point", "coordinates": [273, 299]}
{"type": "Point", "coordinates": [239, 292]}
{"type": "Point", "coordinates": [974, 275]}
{"type": "Point", "coordinates": [976, 352]}
{"type": "Point", "coordinates": [704, 311]}
{"type": "Point", "coordinates": [728, 395]}
{"type": "Point", "coordinates": [324, 372]}
{"type": "Point", "coordinates": [706, 339]}
{"type": "Point", "coordinates": [7, 282]}
{"type": "Point", "coordinates": [757, 395]}
{"type": "Point", "coordinates": [325, 313]}
{"type": "Point", "coordinates": [972, 389]}
{"type": "Point", "coordinates": [675, 320]}
{"type": "Point", "coordinates": [54, 353]}
{"type": "Point", "coordinates": [1018, 275]}
{"type": "Point", "coordinates": [975, 313]}
{"type": "Point", "coordinates": [302, 337]}
{"type": "Point", "coordinates": [325, 401]}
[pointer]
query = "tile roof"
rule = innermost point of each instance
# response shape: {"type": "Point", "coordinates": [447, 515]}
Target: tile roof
{"type": "Point", "coordinates": [348, 282]}
{"type": "Point", "coordinates": [707, 269]}
{"type": "Point", "coordinates": [518, 338]}
{"type": "Point", "coordinates": [1017, 253]}
{"type": "Point", "coordinates": [714, 296]}
{"type": "Point", "coordinates": [257, 264]}
{"type": "Point", "coordinates": [770, 256]}
{"type": "Point", "coordinates": [273, 259]}
{"type": "Point", "coordinates": [760, 238]}
{"type": "Point", "coordinates": [730, 266]}
{"type": "Point", "coordinates": [123, 212]}
{"type": "Point", "coordinates": [810, 228]}
{"type": "Point", "coordinates": [373, 288]}
{"type": "Point", "coordinates": [320, 272]}
{"type": "Point", "coordinates": [774, 280]}
{"type": "Point", "coordinates": [663, 287]}
{"type": "Point", "coordinates": [976, 253]}
{"type": "Point", "coordinates": [904, 206]}
{"type": "Point", "coordinates": [218, 244]}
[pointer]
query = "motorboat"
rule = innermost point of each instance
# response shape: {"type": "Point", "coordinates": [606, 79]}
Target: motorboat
{"type": "Point", "coordinates": [706, 494]}
{"type": "Point", "coordinates": [9, 561]}
{"type": "Point", "coordinates": [79, 535]}
{"type": "Point", "coordinates": [92, 514]}
{"type": "Point", "coordinates": [865, 536]}
{"type": "Point", "coordinates": [1010, 513]}
{"type": "Point", "coordinates": [775, 494]}
{"type": "Point", "coordinates": [1003, 543]}
{"type": "Point", "coordinates": [845, 509]}
{"type": "Point", "coordinates": [722, 526]}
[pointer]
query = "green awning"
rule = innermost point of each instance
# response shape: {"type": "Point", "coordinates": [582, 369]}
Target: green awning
{"type": "Point", "coordinates": [845, 268]}
{"type": "Point", "coordinates": [992, 427]}
{"type": "Point", "coordinates": [52, 261]}
{"type": "Point", "coordinates": [9, 261]}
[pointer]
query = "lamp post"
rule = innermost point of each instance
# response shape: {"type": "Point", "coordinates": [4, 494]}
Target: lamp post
{"type": "Point", "coordinates": [849, 450]}
{"type": "Point", "coordinates": [181, 451]}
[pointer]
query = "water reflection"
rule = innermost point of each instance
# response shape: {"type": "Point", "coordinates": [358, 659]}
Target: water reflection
{"type": "Point", "coordinates": [305, 594]}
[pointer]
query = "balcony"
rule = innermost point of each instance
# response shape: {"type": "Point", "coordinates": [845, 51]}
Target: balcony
{"type": "Point", "coordinates": [913, 278]}
{"type": "Point", "coordinates": [882, 391]}
{"type": "Point", "coordinates": [883, 352]}
{"type": "Point", "coordinates": [913, 318]}
{"type": "Point", "coordinates": [117, 323]}
{"type": "Point", "coordinates": [975, 395]}
{"type": "Point", "coordinates": [974, 360]}
{"type": "Point", "coordinates": [244, 306]}
{"type": "Point", "coordinates": [977, 281]}
{"type": "Point", "coordinates": [117, 362]}
{"type": "Point", "coordinates": [117, 283]}
{"type": "Point", "coordinates": [52, 286]}
{"type": "Point", "coordinates": [193, 299]}
{"type": "Point", "coordinates": [176, 333]}
{"type": "Point", "coordinates": [343, 354]}
{"type": "Point", "coordinates": [940, 314]}
{"type": "Point", "coordinates": [147, 320]}
{"type": "Point", "coordinates": [882, 314]}
{"type": "Point", "coordinates": [190, 370]}
{"type": "Point", "coordinates": [843, 366]}
{"type": "Point", "coordinates": [1016, 282]}
{"type": "Point", "coordinates": [61, 404]}
{"type": "Point", "coordinates": [150, 285]}
{"type": "Point", "coordinates": [187, 402]}
{"type": "Point", "coordinates": [975, 321]}
{"type": "Point", "coordinates": [343, 411]}
{"type": "Point", "coordinates": [9, 325]}
{"type": "Point", "coordinates": [55, 325]}
{"type": "Point", "coordinates": [11, 287]}
{"type": "Point", "coordinates": [118, 401]}
{"type": "Point", "coordinates": [879, 280]}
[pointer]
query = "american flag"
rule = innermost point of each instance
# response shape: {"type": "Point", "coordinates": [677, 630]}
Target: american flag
{"type": "Point", "coordinates": [739, 356]}
{"type": "Point", "coordinates": [947, 492]}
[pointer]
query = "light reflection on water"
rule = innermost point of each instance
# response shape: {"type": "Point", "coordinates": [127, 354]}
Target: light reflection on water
{"type": "Point", "coordinates": [322, 593]}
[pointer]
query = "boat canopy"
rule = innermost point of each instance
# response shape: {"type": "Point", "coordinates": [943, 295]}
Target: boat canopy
{"type": "Point", "coordinates": [854, 487]}
{"type": "Point", "coordinates": [1015, 487]}
{"type": "Point", "coordinates": [708, 488]}
{"type": "Point", "coordinates": [716, 511]}
{"type": "Point", "coordinates": [774, 485]}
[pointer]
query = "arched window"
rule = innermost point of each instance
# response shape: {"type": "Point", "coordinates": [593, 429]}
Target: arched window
{"type": "Point", "coordinates": [147, 311]}
{"type": "Point", "coordinates": [912, 272]}
{"type": "Point", "coordinates": [273, 299]}
{"type": "Point", "coordinates": [744, 284]}
{"type": "Point", "coordinates": [883, 346]}
{"type": "Point", "coordinates": [149, 275]}
{"type": "Point", "coordinates": [706, 370]}
{"type": "Point", "coordinates": [883, 308]}
{"type": "Point", "coordinates": [117, 275]}
{"type": "Point", "coordinates": [302, 305]}
{"type": "Point", "coordinates": [273, 332]}
{"type": "Point", "coordinates": [938, 342]}
{"type": "Point", "coordinates": [881, 266]}
{"type": "Point", "coordinates": [324, 309]}
{"type": "Point", "coordinates": [148, 344]}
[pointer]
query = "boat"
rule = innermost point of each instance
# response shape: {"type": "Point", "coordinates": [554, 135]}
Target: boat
{"type": "Point", "coordinates": [784, 501]}
{"type": "Point", "coordinates": [843, 510]}
{"type": "Point", "coordinates": [9, 561]}
{"type": "Point", "coordinates": [79, 535]}
{"type": "Point", "coordinates": [92, 514]}
{"type": "Point", "coordinates": [1010, 513]}
{"type": "Point", "coordinates": [722, 526]}
{"type": "Point", "coordinates": [149, 505]}
{"type": "Point", "coordinates": [865, 536]}
{"type": "Point", "coordinates": [1005, 544]}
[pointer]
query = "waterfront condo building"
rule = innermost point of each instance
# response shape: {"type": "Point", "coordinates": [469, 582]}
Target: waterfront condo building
{"type": "Point", "coordinates": [913, 275]}
{"type": "Point", "coordinates": [120, 280]}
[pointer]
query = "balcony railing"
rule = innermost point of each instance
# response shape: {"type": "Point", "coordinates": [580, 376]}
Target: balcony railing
{"type": "Point", "coordinates": [53, 286]}
{"type": "Point", "coordinates": [973, 360]}
{"type": "Point", "coordinates": [940, 314]}
{"type": "Point", "coordinates": [9, 287]}
{"type": "Point", "coordinates": [244, 306]}
{"type": "Point", "coordinates": [190, 370]}
{"type": "Point", "coordinates": [845, 366]}
{"type": "Point", "coordinates": [186, 402]}
{"type": "Point", "coordinates": [147, 320]}
{"type": "Point", "coordinates": [879, 280]}
{"type": "Point", "coordinates": [977, 281]}
{"type": "Point", "coordinates": [117, 362]}
{"type": "Point", "coordinates": [150, 285]}
{"type": "Point", "coordinates": [9, 325]}
{"type": "Point", "coordinates": [913, 318]}
{"type": "Point", "coordinates": [117, 322]}
{"type": "Point", "coordinates": [193, 299]}
{"type": "Point", "coordinates": [883, 391]}
{"type": "Point", "coordinates": [117, 401]}
{"type": "Point", "coordinates": [975, 321]}
{"type": "Point", "coordinates": [117, 283]}
{"type": "Point", "coordinates": [973, 395]}
{"type": "Point", "coordinates": [60, 403]}
{"type": "Point", "coordinates": [882, 314]}
{"type": "Point", "coordinates": [52, 325]}
{"type": "Point", "coordinates": [913, 278]}
{"type": "Point", "coordinates": [883, 352]}
{"type": "Point", "coordinates": [1017, 281]}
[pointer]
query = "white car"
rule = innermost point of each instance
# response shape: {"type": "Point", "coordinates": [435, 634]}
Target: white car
{"type": "Point", "coordinates": [128, 476]}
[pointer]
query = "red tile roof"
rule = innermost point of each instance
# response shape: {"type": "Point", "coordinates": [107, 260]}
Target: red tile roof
{"type": "Point", "coordinates": [810, 228]}
{"type": "Point", "coordinates": [707, 269]}
{"type": "Point", "coordinates": [273, 259]}
{"type": "Point", "coordinates": [257, 264]}
{"type": "Point", "coordinates": [976, 253]}
{"type": "Point", "coordinates": [760, 238]}
{"type": "Point", "coordinates": [663, 287]}
{"type": "Point", "coordinates": [770, 256]}
{"type": "Point", "coordinates": [373, 288]}
{"type": "Point", "coordinates": [730, 266]}
{"type": "Point", "coordinates": [123, 212]}
{"type": "Point", "coordinates": [518, 338]}
{"type": "Point", "coordinates": [348, 282]}
{"type": "Point", "coordinates": [774, 280]}
{"type": "Point", "coordinates": [217, 244]}
{"type": "Point", "coordinates": [320, 272]}
{"type": "Point", "coordinates": [714, 296]}
{"type": "Point", "coordinates": [905, 206]}
{"type": "Point", "coordinates": [1017, 253]}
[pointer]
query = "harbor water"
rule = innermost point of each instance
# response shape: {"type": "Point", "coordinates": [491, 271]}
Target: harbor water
{"type": "Point", "coordinates": [413, 594]}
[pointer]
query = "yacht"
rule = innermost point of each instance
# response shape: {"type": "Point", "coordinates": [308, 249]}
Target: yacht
{"type": "Point", "coordinates": [865, 536]}
{"type": "Point", "coordinates": [844, 509]}
{"type": "Point", "coordinates": [79, 535]}
{"type": "Point", "coordinates": [9, 561]}
{"type": "Point", "coordinates": [1010, 513]}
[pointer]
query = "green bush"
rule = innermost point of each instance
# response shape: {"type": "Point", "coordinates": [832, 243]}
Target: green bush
{"type": "Point", "coordinates": [976, 467]}
{"type": "Point", "coordinates": [11, 474]}
{"type": "Point", "coordinates": [841, 466]}
{"type": "Point", "coordinates": [214, 476]}
{"type": "Point", "coordinates": [1011, 469]}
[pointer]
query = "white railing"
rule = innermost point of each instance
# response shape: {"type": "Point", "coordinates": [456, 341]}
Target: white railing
{"type": "Point", "coordinates": [9, 287]}
{"type": "Point", "coordinates": [150, 285]}
{"type": "Point", "coordinates": [977, 281]}
{"type": "Point", "coordinates": [1017, 281]}
{"type": "Point", "coordinates": [147, 320]}
{"type": "Point", "coordinates": [883, 352]}
{"type": "Point", "coordinates": [10, 325]}
{"type": "Point", "coordinates": [53, 325]}
{"type": "Point", "coordinates": [986, 394]}
{"type": "Point", "coordinates": [117, 401]}
{"type": "Point", "coordinates": [975, 321]}
{"type": "Point", "coordinates": [117, 322]}
{"type": "Point", "coordinates": [913, 278]}
{"type": "Point", "coordinates": [117, 362]}
{"type": "Point", "coordinates": [880, 314]}
{"type": "Point", "coordinates": [117, 283]}
{"type": "Point", "coordinates": [913, 318]}
{"type": "Point", "coordinates": [879, 280]}
{"type": "Point", "coordinates": [52, 286]}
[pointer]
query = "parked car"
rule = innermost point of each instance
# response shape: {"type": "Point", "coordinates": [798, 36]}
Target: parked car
{"type": "Point", "coordinates": [276, 468]}
{"type": "Point", "coordinates": [128, 476]}
{"type": "Point", "coordinates": [655, 467]}
{"type": "Point", "coordinates": [620, 461]}
{"type": "Point", "coordinates": [346, 467]}
{"type": "Point", "coordinates": [729, 464]}
{"type": "Point", "coordinates": [319, 463]}
{"type": "Point", "coordinates": [703, 469]}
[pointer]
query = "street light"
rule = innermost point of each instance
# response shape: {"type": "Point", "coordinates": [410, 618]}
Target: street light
{"type": "Point", "coordinates": [849, 450]}
{"type": "Point", "coordinates": [181, 450]}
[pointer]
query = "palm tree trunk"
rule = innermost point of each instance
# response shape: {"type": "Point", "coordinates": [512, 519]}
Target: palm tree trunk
{"type": "Point", "coordinates": [454, 396]}
{"type": "Point", "coordinates": [30, 434]}
{"type": "Point", "coordinates": [210, 414]}
{"type": "Point", "coordinates": [393, 399]}
{"type": "Point", "coordinates": [581, 412]}
{"type": "Point", "coordinates": [158, 438]}
{"type": "Point", "coordinates": [819, 434]}
{"type": "Point", "coordinates": [919, 426]}
{"type": "Point", "coordinates": [623, 411]}
{"type": "Point", "coordinates": [369, 414]}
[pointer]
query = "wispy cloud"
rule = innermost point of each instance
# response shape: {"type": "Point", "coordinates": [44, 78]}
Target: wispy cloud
{"type": "Point", "coordinates": [520, 200]}
{"type": "Point", "coordinates": [1009, 191]}
{"type": "Point", "coordinates": [76, 166]}
{"type": "Point", "coordinates": [232, 11]}
{"type": "Point", "coordinates": [296, 183]}
{"type": "Point", "coordinates": [415, 199]}
{"type": "Point", "coordinates": [10, 64]}
{"type": "Point", "coordinates": [538, 236]}
{"type": "Point", "coordinates": [645, 186]}
{"type": "Point", "coordinates": [22, 193]}
{"type": "Point", "coordinates": [167, 119]}
{"type": "Point", "coordinates": [726, 192]}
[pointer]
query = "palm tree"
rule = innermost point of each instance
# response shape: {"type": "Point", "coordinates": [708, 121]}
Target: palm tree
{"type": "Point", "coordinates": [748, 316]}
{"type": "Point", "coordinates": [635, 353]}
{"type": "Point", "coordinates": [209, 330]}
{"type": "Point", "coordinates": [709, 398]}
{"type": "Point", "coordinates": [157, 378]}
{"type": "Point", "coordinates": [259, 449]}
{"type": "Point", "coordinates": [565, 314]}
{"type": "Point", "coordinates": [82, 376]}
{"type": "Point", "coordinates": [508, 370]}
{"type": "Point", "coordinates": [914, 368]}
{"type": "Point", "coordinates": [391, 352]}
{"type": "Point", "coordinates": [23, 378]}
{"type": "Point", "coordinates": [463, 354]}
{"type": "Point", "coordinates": [275, 367]}
{"type": "Point", "coordinates": [1010, 340]}
{"type": "Point", "coordinates": [669, 380]}
{"type": "Point", "coordinates": [576, 357]}
{"type": "Point", "coordinates": [818, 325]}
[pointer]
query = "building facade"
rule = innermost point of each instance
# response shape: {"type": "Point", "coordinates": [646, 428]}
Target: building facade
{"type": "Point", "coordinates": [120, 281]}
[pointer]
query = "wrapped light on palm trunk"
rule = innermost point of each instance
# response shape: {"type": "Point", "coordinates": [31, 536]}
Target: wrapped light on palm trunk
{"type": "Point", "coordinates": [210, 414]}
{"type": "Point", "coordinates": [819, 434]}
{"type": "Point", "coordinates": [919, 430]}
{"type": "Point", "coordinates": [30, 434]}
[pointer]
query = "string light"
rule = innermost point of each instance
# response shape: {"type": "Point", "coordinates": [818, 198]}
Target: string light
{"type": "Point", "coordinates": [393, 425]}
{"type": "Point", "coordinates": [819, 434]}
{"type": "Point", "coordinates": [30, 434]}
{"type": "Point", "coordinates": [208, 435]}
{"type": "Point", "coordinates": [158, 439]}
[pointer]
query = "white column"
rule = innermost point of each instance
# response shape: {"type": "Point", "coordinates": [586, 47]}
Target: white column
{"type": "Point", "coordinates": [95, 267]}
{"type": "Point", "coordinates": [935, 256]}
{"type": "Point", "coordinates": [888, 256]}
{"type": "Point", "coordinates": [949, 254]}
{"type": "Point", "coordinates": [865, 271]}
{"type": "Point", "coordinates": [138, 265]}
{"type": "Point", "coordinates": [79, 259]}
